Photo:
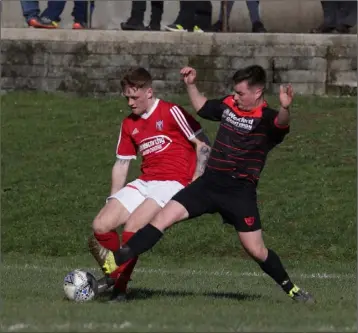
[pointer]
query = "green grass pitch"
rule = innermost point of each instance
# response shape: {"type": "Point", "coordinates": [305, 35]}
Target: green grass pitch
{"type": "Point", "coordinates": [57, 153]}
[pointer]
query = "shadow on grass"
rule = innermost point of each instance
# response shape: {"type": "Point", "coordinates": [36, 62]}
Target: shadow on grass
{"type": "Point", "coordinates": [136, 294]}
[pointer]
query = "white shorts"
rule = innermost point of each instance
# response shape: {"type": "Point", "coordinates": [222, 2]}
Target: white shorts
{"type": "Point", "coordinates": [135, 192]}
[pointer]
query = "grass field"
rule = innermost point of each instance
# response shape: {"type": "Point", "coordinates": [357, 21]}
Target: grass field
{"type": "Point", "coordinates": [57, 154]}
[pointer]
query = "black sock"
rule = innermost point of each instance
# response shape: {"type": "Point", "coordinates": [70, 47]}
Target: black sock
{"type": "Point", "coordinates": [143, 240]}
{"type": "Point", "coordinates": [274, 268]}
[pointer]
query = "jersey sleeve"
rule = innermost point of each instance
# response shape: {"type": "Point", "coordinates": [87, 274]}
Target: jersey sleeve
{"type": "Point", "coordinates": [185, 122]}
{"type": "Point", "coordinates": [126, 148]}
{"type": "Point", "coordinates": [212, 109]}
{"type": "Point", "coordinates": [276, 132]}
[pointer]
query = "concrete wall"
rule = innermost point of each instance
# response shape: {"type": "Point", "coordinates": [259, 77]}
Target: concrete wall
{"type": "Point", "coordinates": [94, 61]}
{"type": "Point", "coordinates": [278, 15]}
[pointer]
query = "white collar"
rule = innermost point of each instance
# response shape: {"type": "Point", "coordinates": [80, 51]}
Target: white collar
{"type": "Point", "coordinates": [148, 113]}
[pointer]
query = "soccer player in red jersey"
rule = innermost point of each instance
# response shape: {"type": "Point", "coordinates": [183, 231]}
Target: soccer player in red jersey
{"type": "Point", "coordinates": [174, 152]}
{"type": "Point", "coordinates": [248, 131]}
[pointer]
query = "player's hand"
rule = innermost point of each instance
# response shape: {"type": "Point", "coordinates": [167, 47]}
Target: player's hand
{"type": "Point", "coordinates": [286, 95]}
{"type": "Point", "coordinates": [189, 75]}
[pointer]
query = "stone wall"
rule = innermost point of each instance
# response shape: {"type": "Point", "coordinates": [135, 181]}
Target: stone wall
{"type": "Point", "coordinates": [94, 61]}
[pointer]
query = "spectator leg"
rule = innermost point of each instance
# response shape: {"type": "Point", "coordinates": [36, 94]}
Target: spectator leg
{"type": "Point", "coordinates": [54, 10]}
{"type": "Point", "coordinates": [30, 9]}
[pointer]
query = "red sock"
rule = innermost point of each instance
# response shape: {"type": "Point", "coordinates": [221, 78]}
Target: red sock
{"type": "Point", "coordinates": [126, 269]}
{"type": "Point", "coordinates": [109, 240]}
{"type": "Point", "coordinates": [126, 236]}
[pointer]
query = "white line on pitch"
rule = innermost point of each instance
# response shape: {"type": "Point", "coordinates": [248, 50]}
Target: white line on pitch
{"type": "Point", "coordinates": [188, 272]}
{"type": "Point", "coordinates": [95, 327]}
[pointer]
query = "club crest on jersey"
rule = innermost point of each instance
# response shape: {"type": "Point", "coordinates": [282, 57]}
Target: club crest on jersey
{"type": "Point", "coordinates": [159, 125]}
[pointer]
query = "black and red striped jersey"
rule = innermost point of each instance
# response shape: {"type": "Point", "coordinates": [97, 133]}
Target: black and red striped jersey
{"type": "Point", "coordinates": [244, 138]}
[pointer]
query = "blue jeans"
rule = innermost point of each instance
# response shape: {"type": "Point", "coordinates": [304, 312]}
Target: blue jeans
{"type": "Point", "coordinates": [54, 10]}
{"type": "Point", "coordinates": [30, 9]}
{"type": "Point", "coordinates": [338, 13]}
{"type": "Point", "coordinates": [80, 11]}
{"type": "Point", "coordinates": [252, 6]}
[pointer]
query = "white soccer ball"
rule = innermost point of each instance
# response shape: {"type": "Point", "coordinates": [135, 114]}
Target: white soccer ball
{"type": "Point", "coordinates": [80, 286]}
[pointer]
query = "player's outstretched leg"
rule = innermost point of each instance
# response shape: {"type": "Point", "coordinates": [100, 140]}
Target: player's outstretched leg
{"type": "Point", "coordinates": [139, 242]}
{"type": "Point", "coordinates": [271, 264]}
{"type": "Point", "coordinates": [145, 238]}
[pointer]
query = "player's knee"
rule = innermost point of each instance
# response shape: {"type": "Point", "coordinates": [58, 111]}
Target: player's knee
{"type": "Point", "coordinates": [112, 215]}
{"type": "Point", "coordinates": [257, 251]}
{"type": "Point", "coordinates": [173, 212]}
{"type": "Point", "coordinates": [99, 226]}
{"type": "Point", "coordinates": [102, 224]}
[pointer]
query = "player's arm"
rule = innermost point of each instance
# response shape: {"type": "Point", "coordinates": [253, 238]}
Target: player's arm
{"type": "Point", "coordinates": [207, 109]}
{"type": "Point", "coordinates": [196, 98]}
{"type": "Point", "coordinates": [125, 152]}
{"type": "Point", "coordinates": [119, 174]}
{"type": "Point", "coordinates": [283, 117]}
{"type": "Point", "coordinates": [280, 121]}
{"type": "Point", "coordinates": [203, 149]}
{"type": "Point", "coordinates": [286, 98]}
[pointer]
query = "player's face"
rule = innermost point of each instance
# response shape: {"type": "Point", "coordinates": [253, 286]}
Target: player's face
{"type": "Point", "coordinates": [245, 97]}
{"type": "Point", "coordinates": [138, 99]}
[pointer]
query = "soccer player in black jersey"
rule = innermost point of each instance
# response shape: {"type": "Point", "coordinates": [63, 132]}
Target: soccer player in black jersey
{"type": "Point", "coordinates": [248, 130]}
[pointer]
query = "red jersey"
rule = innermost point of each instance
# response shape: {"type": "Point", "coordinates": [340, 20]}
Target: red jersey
{"type": "Point", "coordinates": [162, 137]}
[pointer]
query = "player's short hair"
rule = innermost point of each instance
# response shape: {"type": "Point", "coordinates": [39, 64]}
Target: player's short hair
{"type": "Point", "coordinates": [137, 77]}
{"type": "Point", "coordinates": [254, 75]}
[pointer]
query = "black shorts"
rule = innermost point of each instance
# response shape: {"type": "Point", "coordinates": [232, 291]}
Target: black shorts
{"type": "Point", "coordinates": [237, 203]}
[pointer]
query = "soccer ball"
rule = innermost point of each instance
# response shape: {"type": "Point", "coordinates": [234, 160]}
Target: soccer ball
{"type": "Point", "coordinates": [80, 286]}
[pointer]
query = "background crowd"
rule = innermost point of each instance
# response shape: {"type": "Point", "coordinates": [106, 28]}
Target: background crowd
{"type": "Point", "coordinates": [194, 16]}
